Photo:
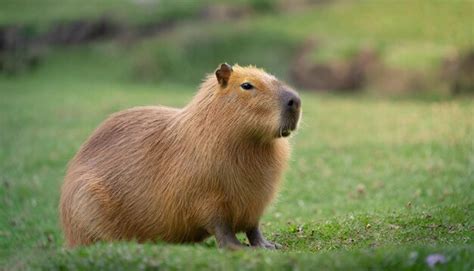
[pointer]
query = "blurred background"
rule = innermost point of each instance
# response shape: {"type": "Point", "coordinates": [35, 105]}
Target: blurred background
{"type": "Point", "coordinates": [389, 48]}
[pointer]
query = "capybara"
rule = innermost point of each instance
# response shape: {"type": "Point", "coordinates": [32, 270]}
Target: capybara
{"type": "Point", "coordinates": [180, 175]}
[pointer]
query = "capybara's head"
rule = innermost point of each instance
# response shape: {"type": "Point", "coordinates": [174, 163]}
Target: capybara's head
{"type": "Point", "coordinates": [258, 102]}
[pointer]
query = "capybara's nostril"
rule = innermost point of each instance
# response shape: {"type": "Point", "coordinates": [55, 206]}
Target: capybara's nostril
{"type": "Point", "coordinates": [294, 102]}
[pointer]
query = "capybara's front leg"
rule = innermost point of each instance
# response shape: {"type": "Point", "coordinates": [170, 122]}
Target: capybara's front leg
{"type": "Point", "coordinates": [256, 239]}
{"type": "Point", "coordinates": [226, 237]}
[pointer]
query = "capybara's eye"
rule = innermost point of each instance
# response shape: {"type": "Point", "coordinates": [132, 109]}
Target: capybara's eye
{"type": "Point", "coordinates": [246, 86]}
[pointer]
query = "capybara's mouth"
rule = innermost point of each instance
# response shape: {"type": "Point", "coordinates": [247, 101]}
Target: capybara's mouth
{"type": "Point", "coordinates": [285, 133]}
{"type": "Point", "coordinates": [289, 126]}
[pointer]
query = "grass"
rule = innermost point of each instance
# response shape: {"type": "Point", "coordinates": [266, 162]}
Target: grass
{"type": "Point", "coordinates": [25, 12]}
{"type": "Point", "coordinates": [372, 184]}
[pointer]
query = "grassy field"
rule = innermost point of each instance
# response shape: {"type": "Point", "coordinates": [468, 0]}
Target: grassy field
{"type": "Point", "coordinates": [372, 184]}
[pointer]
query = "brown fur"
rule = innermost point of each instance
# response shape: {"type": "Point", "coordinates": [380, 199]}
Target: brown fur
{"type": "Point", "coordinates": [159, 173]}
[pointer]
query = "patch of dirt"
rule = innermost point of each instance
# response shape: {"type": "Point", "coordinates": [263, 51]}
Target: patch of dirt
{"type": "Point", "coordinates": [363, 70]}
{"type": "Point", "coordinates": [458, 71]}
{"type": "Point", "coordinates": [338, 75]}
{"type": "Point", "coordinates": [397, 81]}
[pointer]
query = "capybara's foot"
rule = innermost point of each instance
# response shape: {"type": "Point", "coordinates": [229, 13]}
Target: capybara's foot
{"type": "Point", "coordinates": [256, 239]}
{"type": "Point", "coordinates": [226, 238]}
{"type": "Point", "coordinates": [268, 245]}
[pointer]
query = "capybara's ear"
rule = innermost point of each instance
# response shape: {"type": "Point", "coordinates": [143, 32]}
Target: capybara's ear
{"type": "Point", "coordinates": [223, 74]}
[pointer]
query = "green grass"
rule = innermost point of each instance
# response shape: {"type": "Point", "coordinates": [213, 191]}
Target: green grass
{"type": "Point", "coordinates": [43, 12]}
{"type": "Point", "coordinates": [372, 183]}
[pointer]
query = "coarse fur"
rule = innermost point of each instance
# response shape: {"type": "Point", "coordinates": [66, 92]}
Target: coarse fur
{"type": "Point", "coordinates": [159, 173]}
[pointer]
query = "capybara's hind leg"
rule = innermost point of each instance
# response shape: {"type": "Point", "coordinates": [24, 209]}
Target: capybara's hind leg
{"type": "Point", "coordinates": [225, 237]}
{"type": "Point", "coordinates": [80, 214]}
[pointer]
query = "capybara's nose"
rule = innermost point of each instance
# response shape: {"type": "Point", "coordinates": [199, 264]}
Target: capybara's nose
{"type": "Point", "coordinates": [294, 103]}
{"type": "Point", "coordinates": [291, 101]}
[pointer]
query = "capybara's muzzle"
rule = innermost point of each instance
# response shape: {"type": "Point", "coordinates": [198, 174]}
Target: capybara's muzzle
{"type": "Point", "coordinates": [291, 111]}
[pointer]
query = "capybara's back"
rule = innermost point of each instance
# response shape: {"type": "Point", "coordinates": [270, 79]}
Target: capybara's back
{"type": "Point", "coordinates": [180, 175]}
